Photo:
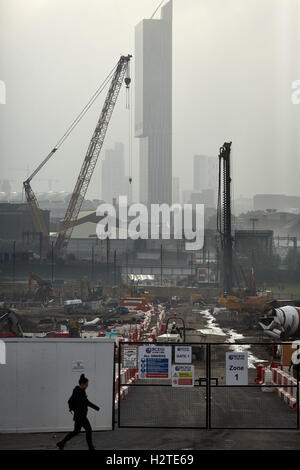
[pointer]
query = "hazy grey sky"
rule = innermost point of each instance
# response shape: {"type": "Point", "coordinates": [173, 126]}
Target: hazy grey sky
{"type": "Point", "coordinates": [233, 65]}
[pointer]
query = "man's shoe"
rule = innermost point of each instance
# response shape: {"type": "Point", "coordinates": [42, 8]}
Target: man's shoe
{"type": "Point", "coordinates": [60, 445]}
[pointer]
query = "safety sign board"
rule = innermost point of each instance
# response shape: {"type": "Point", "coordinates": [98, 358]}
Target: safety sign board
{"type": "Point", "coordinates": [78, 366]}
{"type": "Point", "coordinates": [130, 357]}
{"type": "Point", "coordinates": [236, 368]}
{"type": "Point", "coordinates": [155, 362]}
{"type": "Point", "coordinates": [182, 376]}
{"type": "Point", "coordinates": [183, 354]}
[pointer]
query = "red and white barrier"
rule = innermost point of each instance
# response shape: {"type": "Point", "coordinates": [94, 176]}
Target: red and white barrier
{"type": "Point", "coordinates": [127, 377]}
{"type": "Point", "coordinates": [140, 332]}
{"type": "Point", "coordinates": [286, 387]}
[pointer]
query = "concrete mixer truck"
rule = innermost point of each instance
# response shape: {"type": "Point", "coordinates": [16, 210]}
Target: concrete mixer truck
{"type": "Point", "coordinates": [281, 323]}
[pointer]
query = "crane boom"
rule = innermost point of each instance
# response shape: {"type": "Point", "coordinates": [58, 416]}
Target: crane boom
{"type": "Point", "coordinates": [34, 208]}
{"type": "Point", "coordinates": [37, 218]}
{"type": "Point", "coordinates": [92, 154]}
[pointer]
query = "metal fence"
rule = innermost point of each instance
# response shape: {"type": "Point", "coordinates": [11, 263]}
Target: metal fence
{"type": "Point", "coordinates": [213, 402]}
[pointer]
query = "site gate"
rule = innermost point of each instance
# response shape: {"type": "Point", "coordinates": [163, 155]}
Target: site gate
{"type": "Point", "coordinates": [224, 395]}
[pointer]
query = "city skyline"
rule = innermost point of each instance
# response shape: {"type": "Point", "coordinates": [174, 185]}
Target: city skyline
{"type": "Point", "coordinates": [48, 81]}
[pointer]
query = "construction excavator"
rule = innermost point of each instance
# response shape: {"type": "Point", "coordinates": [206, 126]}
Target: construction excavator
{"type": "Point", "coordinates": [120, 73]}
{"type": "Point", "coordinates": [44, 289]}
{"type": "Point", "coordinates": [247, 300]}
{"type": "Point", "coordinates": [9, 324]}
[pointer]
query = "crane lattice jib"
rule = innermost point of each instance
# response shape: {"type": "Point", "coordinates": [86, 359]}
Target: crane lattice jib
{"type": "Point", "coordinates": [37, 218]}
{"type": "Point", "coordinates": [91, 157]}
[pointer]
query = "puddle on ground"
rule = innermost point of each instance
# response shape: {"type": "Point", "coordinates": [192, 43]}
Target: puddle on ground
{"type": "Point", "coordinates": [233, 336]}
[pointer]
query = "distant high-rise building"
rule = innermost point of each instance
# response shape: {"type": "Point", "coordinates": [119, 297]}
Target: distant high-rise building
{"type": "Point", "coordinates": [186, 196]}
{"type": "Point", "coordinates": [153, 106]}
{"type": "Point", "coordinates": [206, 197]}
{"type": "Point", "coordinates": [176, 189]}
{"type": "Point", "coordinates": [114, 181]}
{"type": "Point", "coordinates": [205, 172]}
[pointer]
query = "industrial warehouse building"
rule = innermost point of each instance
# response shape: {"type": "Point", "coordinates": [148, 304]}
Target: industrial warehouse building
{"type": "Point", "coordinates": [16, 222]}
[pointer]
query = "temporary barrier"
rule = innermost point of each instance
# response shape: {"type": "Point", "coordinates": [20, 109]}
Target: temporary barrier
{"type": "Point", "coordinates": [225, 392]}
{"type": "Point", "coordinates": [285, 385]}
{"type": "Point", "coordinates": [39, 376]}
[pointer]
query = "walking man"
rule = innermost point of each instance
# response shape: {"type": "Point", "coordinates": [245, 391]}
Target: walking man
{"type": "Point", "coordinates": [79, 403]}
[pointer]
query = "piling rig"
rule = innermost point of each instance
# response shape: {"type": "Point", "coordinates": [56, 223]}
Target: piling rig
{"type": "Point", "coordinates": [224, 215]}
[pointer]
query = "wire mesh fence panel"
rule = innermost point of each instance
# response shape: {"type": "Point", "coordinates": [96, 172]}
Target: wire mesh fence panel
{"type": "Point", "coordinates": [254, 387]}
{"type": "Point", "coordinates": [233, 386]}
{"type": "Point", "coordinates": [257, 354]}
{"type": "Point", "coordinates": [162, 402]}
{"type": "Point", "coordinates": [164, 406]}
{"type": "Point", "coordinates": [249, 407]}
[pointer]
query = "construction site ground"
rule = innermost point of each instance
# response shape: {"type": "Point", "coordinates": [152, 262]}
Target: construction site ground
{"type": "Point", "coordinates": [164, 406]}
{"type": "Point", "coordinates": [160, 439]}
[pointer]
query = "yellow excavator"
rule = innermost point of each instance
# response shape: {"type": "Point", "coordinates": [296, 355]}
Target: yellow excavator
{"type": "Point", "coordinates": [248, 299]}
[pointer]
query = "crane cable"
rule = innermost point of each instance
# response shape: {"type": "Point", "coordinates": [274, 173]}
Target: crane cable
{"type": "Point", "coordinates": [85, 109]}
{"type": "Point", "coordinates": [156, 9]}
{"type": "Point", "coordinates": [74, 123]}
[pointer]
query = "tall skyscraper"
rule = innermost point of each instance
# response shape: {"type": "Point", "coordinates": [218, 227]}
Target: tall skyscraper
{"type": "Point", "coordinates": [114, 181]}
{"type": "Point", "coordinates": [153, 106]}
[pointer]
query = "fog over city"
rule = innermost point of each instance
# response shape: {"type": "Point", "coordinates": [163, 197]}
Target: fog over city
{"type": "Point", "coordinates": [234, 62]}
{"type": "Point", "coordinates": [149, 228]}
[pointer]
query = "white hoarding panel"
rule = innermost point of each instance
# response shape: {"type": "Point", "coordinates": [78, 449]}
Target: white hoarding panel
{"type": "Point", "coordinates": [39, 377]}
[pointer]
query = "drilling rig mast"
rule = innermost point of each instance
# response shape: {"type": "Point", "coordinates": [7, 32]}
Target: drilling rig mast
{"type": "Point", "coordinates": [224, 215]}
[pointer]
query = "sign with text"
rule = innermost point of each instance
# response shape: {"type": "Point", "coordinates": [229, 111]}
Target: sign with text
{"type": "Point", "coordinates": [155, 362]}
{"type": "Point", "coordinates": [130, 357]}
{"type": "Point", "coordinates": [182, 376]}
{"type": "Point", "coordinates": [183, 354]}
{"type": "Point", "coordinates": [236, 368]}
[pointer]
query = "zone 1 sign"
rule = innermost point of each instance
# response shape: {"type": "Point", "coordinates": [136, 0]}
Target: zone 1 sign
{"type": "Point", "coordinates": [236, 368]}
